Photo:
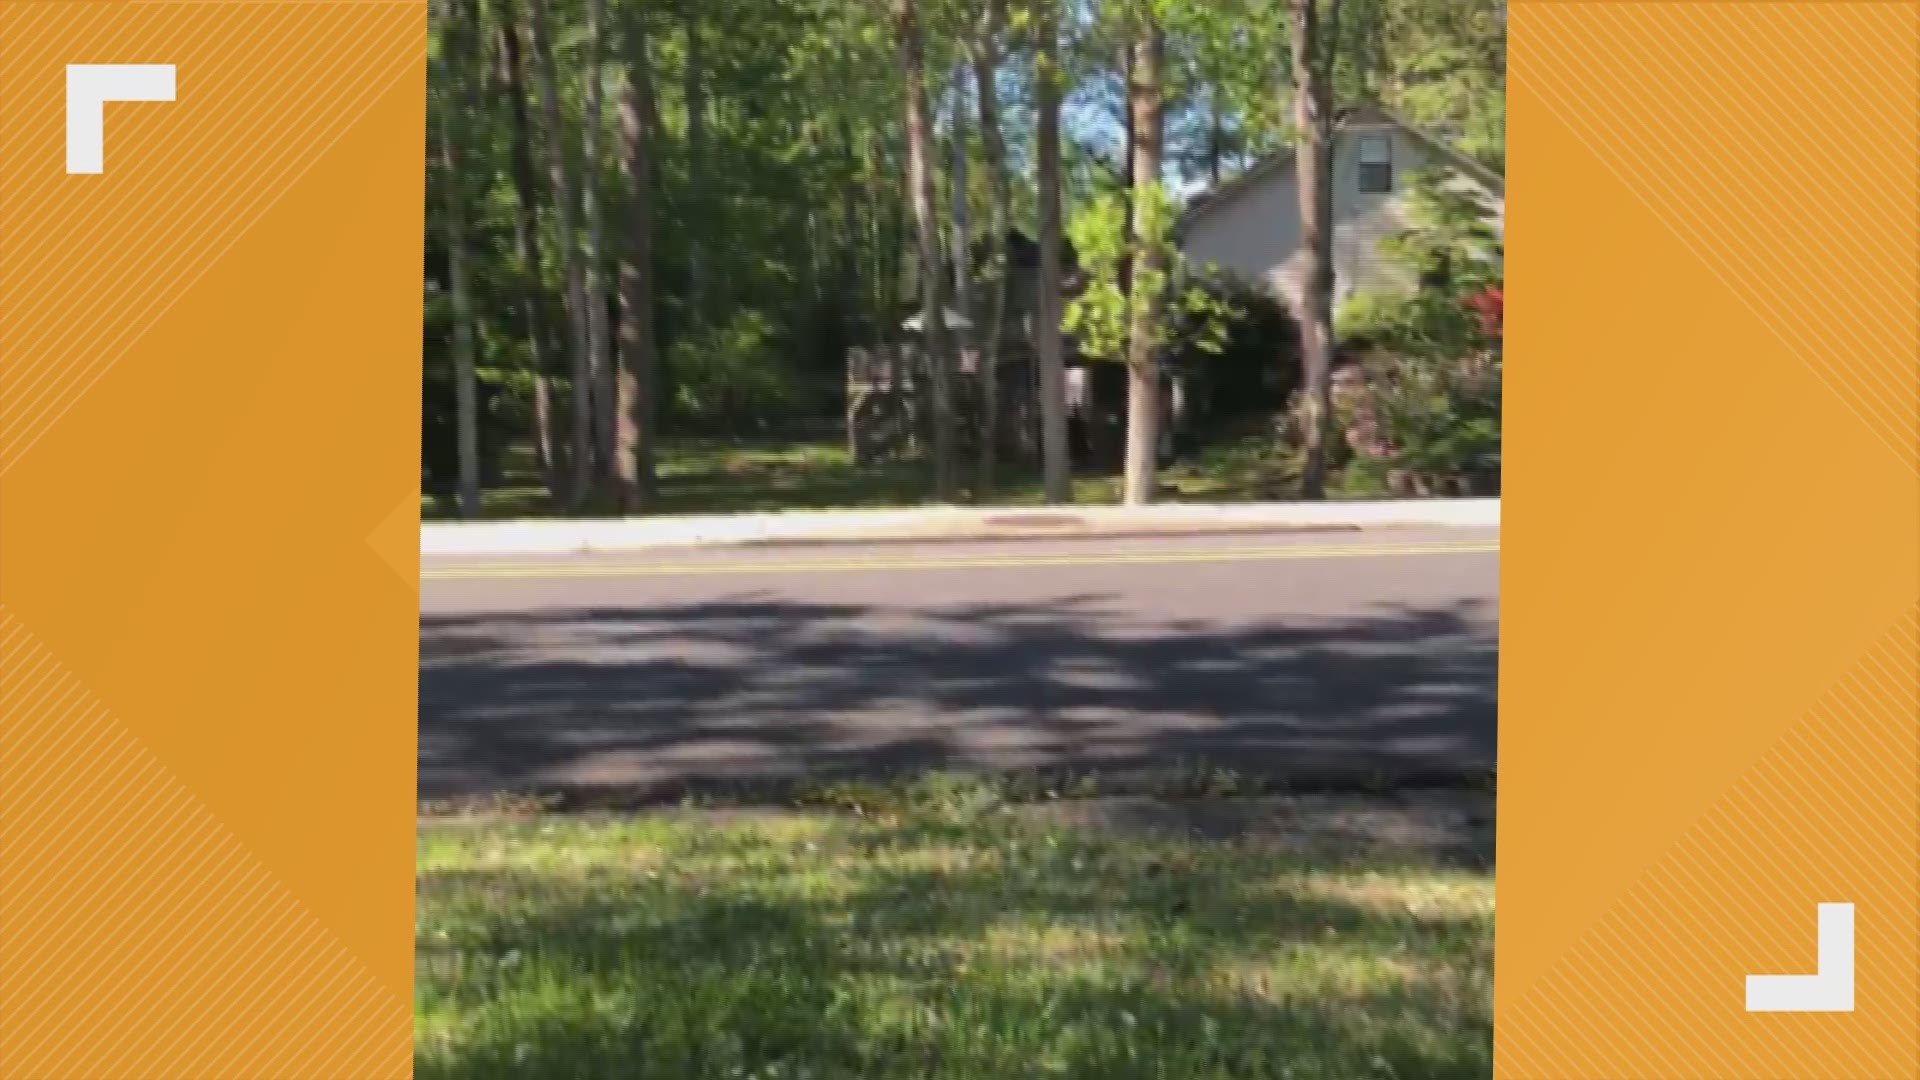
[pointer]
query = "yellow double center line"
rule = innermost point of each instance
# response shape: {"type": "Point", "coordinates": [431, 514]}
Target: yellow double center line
{"type": "Point", "coordinates": [559, 569]}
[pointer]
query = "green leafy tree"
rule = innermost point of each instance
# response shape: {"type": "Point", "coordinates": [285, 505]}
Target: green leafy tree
{"type": "Point", "coordinates": [1043, 17]}
{"type": "Point", "coordinates": [1098, 317]}
{"type": "Point", "coordinates": [1440, 63]}
{"type": "Point", "coordinates": [1451, 248]}
{"type": "Point", "coordinates": [1427, 416]}
{"type": "Point", "coordinates": [1104, 320]}
{"type": "Point", "coordinates": [1315, 28]}
{"type": "Point", "coordinates": [774, 168]}
{"type": "Point", "coordinates": [933, 295]}
{"type": "Point", "coordinates": [985, 53]}
{"type": "Point", "coordinates": [452, 105]}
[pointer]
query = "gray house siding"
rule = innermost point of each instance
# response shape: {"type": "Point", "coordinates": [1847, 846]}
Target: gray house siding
{"type": "Point", "coordinates": [1251, 229]}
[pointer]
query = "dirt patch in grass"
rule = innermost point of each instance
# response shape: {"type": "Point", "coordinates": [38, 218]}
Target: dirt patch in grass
{"type": "Point", "coordinates": [1450, 826]}
{"type": "Point", "coordinates": [875, 791]}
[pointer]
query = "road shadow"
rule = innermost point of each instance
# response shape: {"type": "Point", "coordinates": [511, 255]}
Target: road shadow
{"type": "Point", "coordinates": [647, 703]}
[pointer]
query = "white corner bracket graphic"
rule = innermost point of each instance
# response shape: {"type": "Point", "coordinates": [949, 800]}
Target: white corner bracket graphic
{"type": "Point", "coordinates": [89, 88]}
{"type": "Point", "coordinates": [1829, 990]}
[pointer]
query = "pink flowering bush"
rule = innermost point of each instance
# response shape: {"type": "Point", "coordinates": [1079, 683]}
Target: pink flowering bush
{"type": "Point", "coordinates": [1418, 427]}
{"type": "Point", "coordinates": [1420, 398]}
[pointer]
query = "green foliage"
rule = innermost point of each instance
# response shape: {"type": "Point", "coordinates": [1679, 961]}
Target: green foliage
{"type": "Point", "coordinates": [1431, 324]}
{"type": "Point", "coordinates": [1450, 231]}
{"type": "Point", "coordinates": [1451, 246]}
{"type": "Point", "coordinates": [732, 373]}
{"type": "Point", "coordinates": [1440, 63]}
{"type": "Point", "coordinates": [1256, 367]}
{"type": "Point", "coordinates": [795, 212]}
{"type": "Point", "coordinates": [1426, 414]}
{"type": "Point", "coordinates": [1427, 426]}
{"type": "Point", "coordinates": [1100, 317]}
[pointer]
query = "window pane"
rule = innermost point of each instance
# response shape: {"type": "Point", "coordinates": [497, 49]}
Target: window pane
{"type": "Point", "coordinates": [1376, 150]}
{"type": "Point", "coordinates": [1375, 179]}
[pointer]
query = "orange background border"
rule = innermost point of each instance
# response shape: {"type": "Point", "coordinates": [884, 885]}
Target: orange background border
{"type": "Point", "coordinates": [209, 506]}
{"type": "Point", "coordinates": [1712, 538]}
{"type": "Point", "coordinates": [208, 533]}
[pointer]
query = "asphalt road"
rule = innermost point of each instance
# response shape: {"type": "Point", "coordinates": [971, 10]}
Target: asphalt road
{"type": "Point", "coordinates": [638, 676]}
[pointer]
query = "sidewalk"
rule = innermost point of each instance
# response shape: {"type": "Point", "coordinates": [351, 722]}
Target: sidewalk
{"type": "Point", "coordinates": [935, 523]}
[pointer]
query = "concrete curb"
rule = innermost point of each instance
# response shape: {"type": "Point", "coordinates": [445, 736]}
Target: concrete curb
{"type": "Point", "coordinates": [574, 536]}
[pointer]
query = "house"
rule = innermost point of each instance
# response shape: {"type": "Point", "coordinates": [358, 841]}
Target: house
{"type": "Point", "coordinates": [889, 391]}
{"type": "Point", "coordinates": [1249, 227]}
{"type": "Point", "coordinates": [888, 387]}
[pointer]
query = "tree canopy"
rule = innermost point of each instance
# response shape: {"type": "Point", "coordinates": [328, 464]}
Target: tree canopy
{"type": "Point", "coordinates": [779, 222]}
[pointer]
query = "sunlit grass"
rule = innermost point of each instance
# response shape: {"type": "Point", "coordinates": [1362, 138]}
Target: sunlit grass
{"type": "Point", "coordinates": [718, 476]}
{"type": "Point", "coordinates": [964, 939]}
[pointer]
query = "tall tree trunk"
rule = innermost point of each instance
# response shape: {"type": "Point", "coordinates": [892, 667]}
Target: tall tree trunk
{"type": "Point", "coordinates": [815, 237]}
{"type": "Point", "coordinates": [1048, 345]}
{"type": "Point", "coordinates": [526, 244]}
{"type": "Point", "coordinates": [933, 299]}
{"type": "Point", "coordinates": [453, 106]}
{"type": "Point", "coordinates": [986, 72]}
{"type": "Point", "coordinates": [639, 366]}
{"type": "Point", "coordinates": [889, 236]}
{"type": "Point", "coordinates": [565, 200]}
{"type": "Point", "coordinates": [695, 95]}
{"type": "Point", "coordinates": [847, 253]}
{"type": "Point", "coordinates": [606, 377]}
{"type": "Point", "coordinates": [961, 247]}
{"type": "Point", "coordinates": [1144, 96]}
{"type": "Point", "coordinates": [878, 205]}
{"type": "Point", "coordinates": [1313, 162]}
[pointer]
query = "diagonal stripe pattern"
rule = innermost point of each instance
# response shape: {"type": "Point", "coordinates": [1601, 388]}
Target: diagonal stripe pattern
{"type": "Point", "coordinates": [1827, 814]}
{"type": "Point", "coordinates": [1742, 132]}
{"type": "Point", "coordinates": [1716, 401]}
{"type": "Point", "coordinates": [179, 188]}
{"type": "Point", "coordinates": [141, 939]}
{"type": "Point", "coordinates": [170, 905]}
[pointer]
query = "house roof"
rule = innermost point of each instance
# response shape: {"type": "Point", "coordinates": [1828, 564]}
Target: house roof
{"type": "Point", "coordinates": [1367, 115]}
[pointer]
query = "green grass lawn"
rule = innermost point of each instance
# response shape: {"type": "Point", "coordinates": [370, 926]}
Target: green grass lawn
{"type": "Point", "coordinates": [716, 476]}
{"type": "Point", "coordinates": [956, 937]}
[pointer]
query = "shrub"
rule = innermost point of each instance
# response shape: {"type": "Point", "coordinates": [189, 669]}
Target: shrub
{"type": "Point", "coordinates": [1422, 409]}
{"type": "Point", "coordinates": [1256, 367]}
{"type": "Point", "coordinates": [1423, 426]}
{"type": "Point", "coordinates": [734, 374]}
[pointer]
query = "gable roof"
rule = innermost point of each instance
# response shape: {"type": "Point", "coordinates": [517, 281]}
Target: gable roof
{"type": "Point", "coordinates": [1368, 115]}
